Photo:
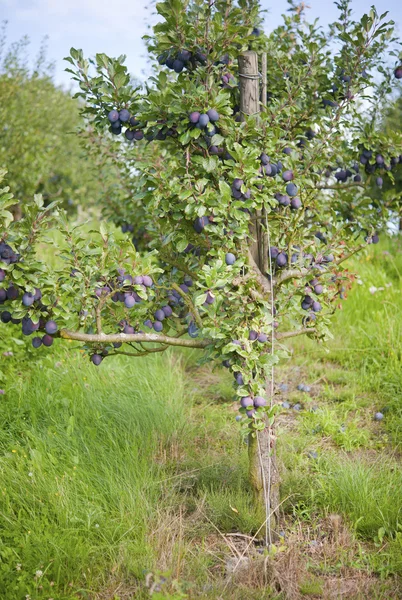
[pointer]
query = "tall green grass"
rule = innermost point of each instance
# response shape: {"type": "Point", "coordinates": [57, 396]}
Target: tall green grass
{"type": "Point", "coordinates": [81, 458]}
{"type": "Point", "coordinates": [366, 492]}
{"type": "Point", "coordinates": [368, 331]}
{"type": "Point", "coordinates": [98, 467]}
{"type": "Point", "coordinates": [363, 368]}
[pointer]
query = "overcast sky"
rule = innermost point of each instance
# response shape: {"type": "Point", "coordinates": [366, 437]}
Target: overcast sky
{"type": "Point", "coordinates": [116, 27]}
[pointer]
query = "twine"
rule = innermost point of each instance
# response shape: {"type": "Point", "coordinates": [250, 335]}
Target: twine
{"type": "Point", "coordinates": [257, 76]}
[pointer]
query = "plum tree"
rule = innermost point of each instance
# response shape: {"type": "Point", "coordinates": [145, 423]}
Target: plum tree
{"type": "Point", "coordinates": [227, 176]}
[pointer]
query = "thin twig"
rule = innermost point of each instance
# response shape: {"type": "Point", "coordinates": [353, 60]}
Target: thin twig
{"type": "Point", "coordinates": [189, 303]}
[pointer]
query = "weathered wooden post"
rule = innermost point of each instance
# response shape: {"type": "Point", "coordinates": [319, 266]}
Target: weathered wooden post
{"type": "Point", "coordinates": [264, 475]}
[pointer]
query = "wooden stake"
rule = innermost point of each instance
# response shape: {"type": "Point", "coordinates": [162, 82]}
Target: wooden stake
{"type": "Point", "coordinates": [263, 470]}
{"type": "Point", "coordinates": [264, 79]}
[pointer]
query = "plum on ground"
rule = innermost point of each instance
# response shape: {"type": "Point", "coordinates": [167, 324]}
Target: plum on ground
{"type": "Point", "coordinates": [378, 416]}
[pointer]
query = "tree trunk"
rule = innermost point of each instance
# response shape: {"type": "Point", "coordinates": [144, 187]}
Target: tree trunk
{"type": "Point", "coordinates": [265, 478]}
{"type": "Point", "coordinates": [263, 469]}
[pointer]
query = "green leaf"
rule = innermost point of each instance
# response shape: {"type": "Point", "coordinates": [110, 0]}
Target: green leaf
{"type": "Point", "coordinates": [200, 299]}
{"type": "Point", "coordinates": [38, 199]}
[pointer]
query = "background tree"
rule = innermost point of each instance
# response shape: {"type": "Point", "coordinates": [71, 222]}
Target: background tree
{"type": "Point", "coordinates": [251, 207]}
{"type": "Point", "coordinates": [38, 145]}
{"type": "Point", "coordinates": [389, 192]}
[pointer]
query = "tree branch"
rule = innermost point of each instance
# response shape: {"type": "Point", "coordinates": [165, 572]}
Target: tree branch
{"type": "Point", "coordinates": [298, 273]}
{"type": "Point", "coordinates": [104, 338]}
{"type": "Point", "coordinates": [289, 334]}
{"type": "Point", "coordinates": [341, 260]}
{"type": "Point", "coordinates": [189, 303]}
{"type": "Point", "coordinates": [293, 274]}
{"type": "Point", "coordinates": [335, 186]}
